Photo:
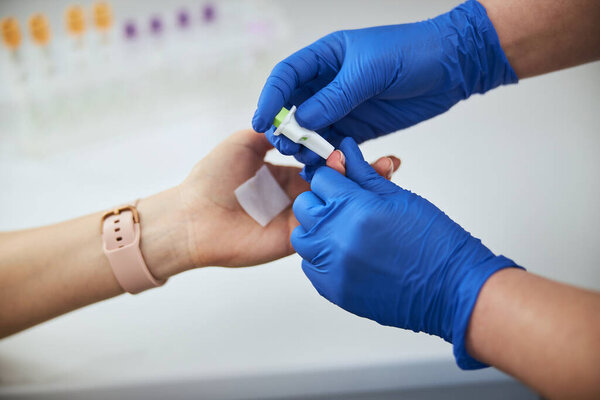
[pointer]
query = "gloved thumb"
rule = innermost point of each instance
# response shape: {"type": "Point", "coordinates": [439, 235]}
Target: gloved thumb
{"type": "Point", "coordinates": [328, 105]}
{"type": "Point", "coordinates": [358, 170]}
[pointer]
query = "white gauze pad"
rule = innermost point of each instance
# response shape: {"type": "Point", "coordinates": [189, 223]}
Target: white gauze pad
{"type": "Point", "coordinates": [262, 197]}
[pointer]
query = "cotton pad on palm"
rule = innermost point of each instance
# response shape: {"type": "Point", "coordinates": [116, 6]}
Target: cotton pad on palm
{"type": "Point", "coordinates": [262, 197]}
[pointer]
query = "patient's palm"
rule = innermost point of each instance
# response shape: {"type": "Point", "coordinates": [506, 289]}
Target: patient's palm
{"type": "Point", "coordinates": [221, 231]}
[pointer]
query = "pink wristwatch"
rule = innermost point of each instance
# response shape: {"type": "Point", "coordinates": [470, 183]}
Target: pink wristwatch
{"type": "Point", "coordinates": [121, 236]}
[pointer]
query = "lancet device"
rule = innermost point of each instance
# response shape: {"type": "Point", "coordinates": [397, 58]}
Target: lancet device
{"type": "Point", "coordinates": [286, 124]}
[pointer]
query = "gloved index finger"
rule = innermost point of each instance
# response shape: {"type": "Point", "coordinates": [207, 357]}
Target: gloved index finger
{"type": "Point", "coordinates": [361, 172]}
{"type": "Point", "coordinates": [286, 76]}
{"type": "Point", "coordinates": [329, 184]}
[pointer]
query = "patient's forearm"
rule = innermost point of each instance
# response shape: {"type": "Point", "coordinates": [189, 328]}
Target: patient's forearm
{"type": "Point", "coordinates": [545, 333]}
{"type": "Point", "coordinates": [540, 36]}
{"type": "Point", "coordinates": [48, 271]}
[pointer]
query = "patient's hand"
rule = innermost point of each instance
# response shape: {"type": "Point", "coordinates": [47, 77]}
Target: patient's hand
{"type": "Point", "coordinates": [197, 223]}
{"type": "Point", "coordinates": [219, 232]}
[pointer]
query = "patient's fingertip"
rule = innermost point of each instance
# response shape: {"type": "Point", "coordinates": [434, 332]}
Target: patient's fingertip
{"type": "Point", "coordinates": [389, 168]}
{"type": "Point", "coordinates": [381, 166]}
{"type": "Point", "coordinates": [396, 162]}
{"type": "Point", "coordinates": [337, 161]}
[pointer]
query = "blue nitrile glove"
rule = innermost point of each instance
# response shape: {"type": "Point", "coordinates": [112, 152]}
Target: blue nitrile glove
{"type": "Point", "coordinates": [384, 253]}
{"type": "Point", "coordinates": [369, 82]}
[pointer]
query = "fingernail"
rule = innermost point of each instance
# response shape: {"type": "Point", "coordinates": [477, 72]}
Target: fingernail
{"type": "Point", "coordinates": [391, 168]}
{"type": "Point", "coordinates": [342, 158]}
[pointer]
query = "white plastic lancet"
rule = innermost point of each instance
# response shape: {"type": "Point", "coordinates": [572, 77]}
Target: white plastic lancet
{"type": "Point", "coordinates": [288, 126]}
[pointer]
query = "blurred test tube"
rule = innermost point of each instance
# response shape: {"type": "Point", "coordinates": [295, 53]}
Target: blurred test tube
{"type": "Point", "coordinates": [39, 30]}
{"type": "Point", "coordinates": [103, 18]}
{"type": "Point", "coordinates": [75, 23]}
{"type": "Point", "coordinates": [11, 38]}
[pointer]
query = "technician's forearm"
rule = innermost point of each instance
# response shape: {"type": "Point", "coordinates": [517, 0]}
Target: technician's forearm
{"type": "Point", "coordinates": [540, 36]}
{"type": "Point", "coordinates": [544, 333]}
{"type": "Point", "coordinates": [48, 271]}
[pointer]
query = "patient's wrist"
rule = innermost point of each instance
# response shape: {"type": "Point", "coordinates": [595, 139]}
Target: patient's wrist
{"type": "Point", "coordinates": [164, 241]}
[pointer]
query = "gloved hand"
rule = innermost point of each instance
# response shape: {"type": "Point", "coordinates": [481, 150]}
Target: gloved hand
{"type": "Point", "coordinates": [369, 82]}
{"type": "Point", "coordinates": [384, 253]}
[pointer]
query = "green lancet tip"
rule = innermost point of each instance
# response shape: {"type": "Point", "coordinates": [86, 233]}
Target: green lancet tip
{"type": "Point", "coordinates": [280, 117]}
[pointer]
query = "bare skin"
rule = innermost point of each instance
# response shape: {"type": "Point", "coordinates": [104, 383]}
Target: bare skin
{"type": "Point", "coordinates": [195, 224]}
{"type": "Point", "coordinates": [544, 333]}
{"type": "Point", "coordinates": [541, 36]}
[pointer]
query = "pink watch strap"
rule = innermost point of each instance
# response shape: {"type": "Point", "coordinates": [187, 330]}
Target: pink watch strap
{"type": "Point", "coordinates": [121, 237]}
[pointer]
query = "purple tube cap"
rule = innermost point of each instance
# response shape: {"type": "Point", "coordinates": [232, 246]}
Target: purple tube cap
{"type": "Point", "coordinates": [208, 13]}
{"type": "Point", "coordinates": [183, 18]}
{"type": "Point", "coordinates": [156, 25]}
{"type": "Point", "coordinates": [130, 30]}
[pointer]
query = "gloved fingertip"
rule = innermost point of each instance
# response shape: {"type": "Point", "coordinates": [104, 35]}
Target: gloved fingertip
{"type": "Point", "coordinates": [358, 170]}
{"type": "Point", "coordinates": [258, 123]}
{"type": "Point", "coordinates": [284, 145]}
{"type": "Point", "coordinates": [351, 150]}
{"type": "Point", "coordinates": [287, 147]}
{"type": "Point", "coordinates": [308, 157]}
{"type": "Point", "coordinates": [308, 172]}
{"type": "Point", "coordinates": [349, 141]}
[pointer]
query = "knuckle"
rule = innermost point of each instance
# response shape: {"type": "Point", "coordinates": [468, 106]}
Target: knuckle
{"type": "Point", "coordinates": [284, 70]}
{"type": "Point", "coordinates": [296, 237]}
{"type": "Point", "coordinates": [317, 178]}
{"type": "Point", "coordinates": [300, 202]}
{"type": "Point", "coordinates": [335, 35]}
